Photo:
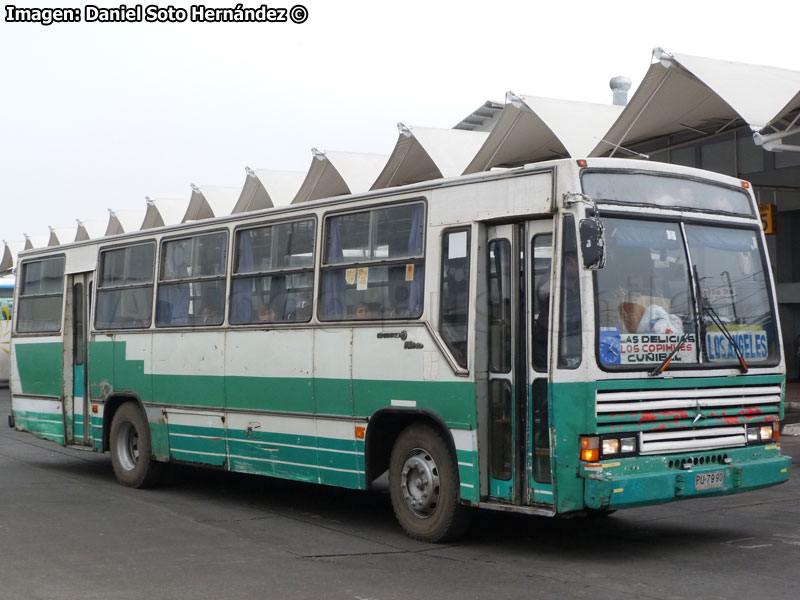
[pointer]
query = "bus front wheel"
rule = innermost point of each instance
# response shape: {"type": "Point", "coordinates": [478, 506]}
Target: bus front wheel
{"type": "Point", "coordinates": [131, 455]}
{"type": "Point", "coordinates": [423, 485]}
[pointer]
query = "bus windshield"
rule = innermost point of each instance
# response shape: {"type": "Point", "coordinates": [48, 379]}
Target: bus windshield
{"type": "Point", "coordinates": [699, 286]}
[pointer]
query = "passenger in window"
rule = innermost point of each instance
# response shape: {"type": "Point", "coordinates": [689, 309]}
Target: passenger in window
{"type": "Point", "coordinates": [268, 314]}
{"type": "Point", "coordinates": [364, 311]}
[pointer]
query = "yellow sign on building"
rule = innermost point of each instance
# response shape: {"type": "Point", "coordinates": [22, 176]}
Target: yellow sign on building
{"type": "Point", "coordinates": [767, 221]}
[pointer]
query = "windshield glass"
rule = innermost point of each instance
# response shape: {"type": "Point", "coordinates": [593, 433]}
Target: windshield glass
{"type": "Point", "coordinates": [646, 304]}
{"type": "Point", "coordinates": [732, 282]}
{"type": "Point", "coordinates": [644, 295]}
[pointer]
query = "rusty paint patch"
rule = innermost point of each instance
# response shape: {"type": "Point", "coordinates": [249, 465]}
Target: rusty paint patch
{"type": "Point", "coordinates": [674, 414]}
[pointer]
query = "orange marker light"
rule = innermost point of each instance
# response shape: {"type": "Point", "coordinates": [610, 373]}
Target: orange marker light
{"type": "Point", "coordinates": [360, 432]}
{"type": "Point", "coordinates": [590, 454]}
{"type": "Point", "coordinates": [94, 408]}
{"type": "Point", "coordinates": [746, 185]}
{"type": "Point", "coordinates": [590, 448]}
{"type": "Point", "coordinates": [582, 162]}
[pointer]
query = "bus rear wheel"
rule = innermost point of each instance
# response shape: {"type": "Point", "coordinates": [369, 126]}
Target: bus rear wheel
{"type": "Point", "coordinates": [131, 455]}
{"type": "Point", "coordinates": [423, 485]}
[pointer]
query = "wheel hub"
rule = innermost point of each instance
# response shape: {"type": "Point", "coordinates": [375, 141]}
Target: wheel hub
{"type": "Point", "coordinates": [128, 446]}
{"type": "Point", "coordinates": [419, 482]}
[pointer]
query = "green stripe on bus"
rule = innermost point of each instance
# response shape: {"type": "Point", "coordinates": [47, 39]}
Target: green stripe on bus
{"type": "Point", "coordinates": [47, 425]}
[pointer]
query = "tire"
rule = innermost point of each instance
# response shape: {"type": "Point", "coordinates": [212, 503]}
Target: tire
{"type": "Point", "coordinates": [131, 455]}
{"type": "Point", "coordinates": [424, 486]}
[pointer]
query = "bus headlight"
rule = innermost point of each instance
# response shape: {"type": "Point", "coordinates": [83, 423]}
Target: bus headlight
{"type": "Point", "coordinates": [759, 434]}
{"type": "Point", "coordinates": [610, 446]}
{"type": "Point", "coordinates": [627, 445]}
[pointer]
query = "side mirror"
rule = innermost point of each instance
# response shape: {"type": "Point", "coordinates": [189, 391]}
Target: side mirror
{"type": "Point", "coordinates": [593, 243]}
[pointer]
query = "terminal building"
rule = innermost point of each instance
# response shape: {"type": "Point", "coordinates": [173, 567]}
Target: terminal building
{"type": "Point", "coordinates": [738, 119]}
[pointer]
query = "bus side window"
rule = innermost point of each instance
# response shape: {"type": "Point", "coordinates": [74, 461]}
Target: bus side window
{"type": "Point", "coordinates": [373, 267]}
{"type": "Point", "coordinates": [125, 287]}
{"type": "Point", "coordinates": [454, 292]}
{"type": "Point", "coordinates": [569, 342]}
{"type": "Point", "coordinates": [273, 274]}
{"type": "Point", "coordinates": [191, 289]}
{"type": "Point", "coordinates": [41, 296]}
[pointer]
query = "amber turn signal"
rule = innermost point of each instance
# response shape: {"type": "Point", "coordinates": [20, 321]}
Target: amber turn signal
{"type": "Point", "coordinates": [590, 448]}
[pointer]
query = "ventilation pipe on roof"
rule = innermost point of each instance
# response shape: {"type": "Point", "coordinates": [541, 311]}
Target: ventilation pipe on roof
{"type": "Point", "coordinates": [620, 86]}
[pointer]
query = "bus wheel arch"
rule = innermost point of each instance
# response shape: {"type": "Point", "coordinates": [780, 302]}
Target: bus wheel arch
{"type": "Point", "coordinates": [385, 426]}
{"type": "Point", "coordinates": [130, 444]}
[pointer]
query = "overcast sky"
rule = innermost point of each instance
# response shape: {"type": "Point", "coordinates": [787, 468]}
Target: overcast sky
{"type": "Point", "coordinates": [98, 116]}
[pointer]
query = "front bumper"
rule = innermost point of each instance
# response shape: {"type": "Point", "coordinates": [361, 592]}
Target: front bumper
{"type": "Point", "coordinates": [605, 490]}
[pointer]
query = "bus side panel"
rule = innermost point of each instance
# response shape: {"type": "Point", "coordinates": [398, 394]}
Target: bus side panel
{"type": "Point", "coordinates": [101, 376]}
{"type": "Point", "coordinates": [572, 414]}
{"type": "Point", "coordinates": [36, 365]}
{"type": "Point", "coordinates": [133, 356]}
{"type": "Point", "coordinates": [341, 454]}
{"type": "Point", "coordinates": [39, 366]}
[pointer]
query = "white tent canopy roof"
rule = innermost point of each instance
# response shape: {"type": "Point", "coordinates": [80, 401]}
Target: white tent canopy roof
{"type": "Point", "coordinates": [36, 241]}
{"type": "Point", "coordinates": [89, 230]}
{"type": "Point", "coordinates": [265, 189]}
{"type": "Point", "coordinates": [339, 173]}
{"type": "Point", "coordinates": [8, 260]}
{"type": "Point", "coordinates": [60, 235]}
{"type": "Point", "coordinates": [531, 129]}
{"type": "Point", "coordinates": [124, 221]}
{"type": "Point", "coordinates": [208, 201]}
{"type": "Point", "coordinates": [163, 211]}
{"type": "Point", "coordinates": [682, 92]}
{"type": "Point", "coordinates": [425, 153]}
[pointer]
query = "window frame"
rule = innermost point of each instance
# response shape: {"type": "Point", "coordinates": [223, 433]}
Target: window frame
{"type": "Point", "coordinates": [99, 289]}
{"type": "Point", "coordinates": [569, 235]}
{"type": "Point", "coordinates": [325, 266]}
{"type": "Point", "coordinates": [234, 276]}
{"type": "Point", "coordinates": [160, 281]}
{"type": "Point", "coordinates": [20, 298]}
{"type": "Point", "coordinates": [445, 232]}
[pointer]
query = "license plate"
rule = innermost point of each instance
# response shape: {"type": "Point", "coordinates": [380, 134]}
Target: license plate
{"type": "Point", "coordinates": [709, 481]}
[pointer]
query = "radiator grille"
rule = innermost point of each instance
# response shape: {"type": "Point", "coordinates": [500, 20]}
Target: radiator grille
{"type": "Point", "coordinates": [690, 419]}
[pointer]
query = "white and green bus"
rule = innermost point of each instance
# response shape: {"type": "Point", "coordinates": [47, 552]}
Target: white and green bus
{"type": "Point", "coordinates": [575, 336]}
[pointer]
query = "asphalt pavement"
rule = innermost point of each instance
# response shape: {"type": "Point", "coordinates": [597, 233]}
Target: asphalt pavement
{"type": "Point", "coordinates": [70, 532]}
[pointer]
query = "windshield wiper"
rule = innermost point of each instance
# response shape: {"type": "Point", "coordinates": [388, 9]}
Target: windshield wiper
{"type": "Point", "coordinates": [663, 366]}
{"type": "Point", "coordinates": [718, 322]}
